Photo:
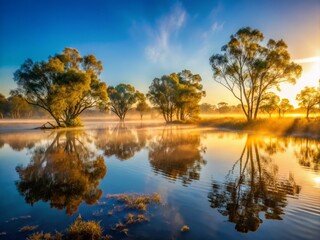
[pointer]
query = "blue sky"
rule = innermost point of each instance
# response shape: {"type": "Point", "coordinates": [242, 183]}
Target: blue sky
{"type": "Point", "coordinates": [140, 40]}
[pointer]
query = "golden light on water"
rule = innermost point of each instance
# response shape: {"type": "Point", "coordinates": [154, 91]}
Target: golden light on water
{"type": "Point", "coordinates": [317, 182]}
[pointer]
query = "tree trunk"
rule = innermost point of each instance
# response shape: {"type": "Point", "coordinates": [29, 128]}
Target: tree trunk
{"type": "Point", "coordinates": [308, 110]}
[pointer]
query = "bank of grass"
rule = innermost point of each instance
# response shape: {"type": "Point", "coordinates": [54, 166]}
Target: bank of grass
{"type": "Point", "coordinates": [279, 126]}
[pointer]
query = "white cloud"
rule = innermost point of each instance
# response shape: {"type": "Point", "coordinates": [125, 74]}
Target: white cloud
{"type": "Point", "coordinates": [160, 47]}
{"type": "Point", "coordinates": [216, 26]}
{"type": "Point", "coordinates": [308, 60]}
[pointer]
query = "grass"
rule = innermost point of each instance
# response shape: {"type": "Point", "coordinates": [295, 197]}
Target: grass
{"type": "Point", "coordinates": [136, 201]}
{"type": "Point", "coordinates": [92, 230]}
{"type": "Point", "coordinates": [28, 228]}
{"type": "Point", "coordinates": [46, 236]}
{"type": "Point", "coordinates": [279, 126]}
{"type": "Point", "coordinates": [185, 228]}
{"type": "Point", "coordinates": [82, 230]}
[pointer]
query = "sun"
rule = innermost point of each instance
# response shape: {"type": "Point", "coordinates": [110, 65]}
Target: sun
{"type": "Point", "coordinates": [310, 77]}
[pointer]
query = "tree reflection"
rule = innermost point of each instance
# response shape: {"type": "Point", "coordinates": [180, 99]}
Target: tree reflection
{"type": "Point", "coordinates": [120, 141]}
{"type": "Point", "coordinates": [64, 173]}
{"type": "Point", "coordinates": [308, 153]}
{"type": "Point", "coordinates": [177, 154]}
{"type": "Point", "coordinates": [20, 141]}
{"type": "Point", "coordinates": [256, 188]}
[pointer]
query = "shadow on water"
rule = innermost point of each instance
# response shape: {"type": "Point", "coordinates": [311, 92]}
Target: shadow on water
{"type": "Point", "coordinates": [64, 173]}
{"type": "Point", "coordinates": [177, 154]}
{"type": "Point", "coordinates": [253, 186]}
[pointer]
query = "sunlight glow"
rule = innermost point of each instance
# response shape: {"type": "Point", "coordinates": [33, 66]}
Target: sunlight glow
{"type": "Point", "coordinates": [310, 77]}
{"type": "Point", "coordinates": [317, 181]}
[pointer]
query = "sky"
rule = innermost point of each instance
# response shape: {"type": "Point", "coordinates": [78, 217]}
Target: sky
{"type": "Point", "coordinates": [140, 40]}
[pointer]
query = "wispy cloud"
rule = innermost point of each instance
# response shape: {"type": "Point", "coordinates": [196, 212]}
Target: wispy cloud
{"type": "Point", "coordinates": [216, 26]}
{"type": "Point", "coordinates": [161, 35]}
{"type": "Point", "coordinates": [308, 60]}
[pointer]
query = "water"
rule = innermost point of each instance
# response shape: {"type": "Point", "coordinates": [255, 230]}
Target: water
{"type": "Point", "coordinates": [222, 185]}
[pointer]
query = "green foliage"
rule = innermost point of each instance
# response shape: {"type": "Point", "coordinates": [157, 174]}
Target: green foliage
{"type": "Point", "coordinates": [248, 69]}
{"type": "Point", "coordinates": [142, 105]}
{"type": "Point", "coordinates": [177, 94]}
{"type": "Point", "coordinates": [269, 103]}
{"type": "Point", "coordinates": [3, 105]}
{"type": "Point", "coordinates": [309, 98]}
{"type": "Point", "coordinates": [162, 94]}
{"type": "Point", "coordinates": [122, 97]}
{"type": "Point", "coordinates": [64, 86]}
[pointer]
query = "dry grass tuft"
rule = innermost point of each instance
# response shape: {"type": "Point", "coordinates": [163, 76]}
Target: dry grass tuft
{"type": "Point", "coordinates": [136, 201]}
{"type": "Point", "coordinates": [45, 236]}
{"type": "Point", "coordinates": [84, 230]}
{"type": "Point", "coordinates": [28, 228]}
{"type": "Point", "coordinates": [185, 228]}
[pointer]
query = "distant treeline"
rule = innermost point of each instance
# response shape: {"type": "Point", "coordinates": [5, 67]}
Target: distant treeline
{"type": "Point", "coordinates": [15, 106]}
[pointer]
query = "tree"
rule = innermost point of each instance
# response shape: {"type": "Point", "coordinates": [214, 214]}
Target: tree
{"type": "Point", "coordinates": [122, 97]}
{"type": "Point", "coordinates": [207, 108]}
{"type": "Point", "coordinates": [3, 105]}
{"type": "Point", "coordinates": [223, 107]}
{"type": "Point", "coordinates": [189, 94]}
{"type": "Point", "coordinates": [142, 105]}
{"type": "Point", "coordinates": [162, 94]}
{"type": "Point", "coordinates": [269, 103]}
{"type": "Point", "coordinates": [64, 86]}
{"type": "Point", "coordinates": [248, 69]}
{"type": "Point", "coordinates": [284, 106]}
{"type": "Point", "coordinates": [177, 94]}
{"type": "Point", "coordinates": [309, 98]}
{"type": "Point", "coordinates": [17, 106]}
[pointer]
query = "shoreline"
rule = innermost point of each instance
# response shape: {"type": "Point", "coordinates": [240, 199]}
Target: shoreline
{"type": "Point", "coordinates": [294, 127]}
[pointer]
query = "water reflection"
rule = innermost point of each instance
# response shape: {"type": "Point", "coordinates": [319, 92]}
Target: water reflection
{"type": "Point", "coordinates": [65, 173]}
{"type": "Point", "coordinates": [120, 141]}
{"type": "Point", "coordinates": [308, 153]}
{"type": "Point", "coordinates": [177, 154]}
{"type": "Point", "coordinates": [18, 141]}
{"type": "Point", "coordinates": [253, 186]}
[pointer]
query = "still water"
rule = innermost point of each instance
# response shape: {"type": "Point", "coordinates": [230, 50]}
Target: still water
{"type": "Point", "coordinates": [222, 185]}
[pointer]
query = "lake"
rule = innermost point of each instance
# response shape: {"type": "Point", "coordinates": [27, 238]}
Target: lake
{"type": "Point", "coordinates": [221, 184]}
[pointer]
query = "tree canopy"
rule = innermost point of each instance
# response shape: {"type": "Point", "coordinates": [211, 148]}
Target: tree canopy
{"type": "Point", "coordinates": [122, 98]}
{"type": "Point", "coordinates": [309, 98]}
{"type": "Point", "coordinates": [65, 85]}
{"type": "Point", "coordinates": [269, 103]}
{"type": "Point", "coordinates": [142, 105]}
{"type": "Point", "coordinates": [284, 106]}
{"type": "Point", "coordinates": [248, 69]}
{"type": "Point", "coordinates": [177, 94]}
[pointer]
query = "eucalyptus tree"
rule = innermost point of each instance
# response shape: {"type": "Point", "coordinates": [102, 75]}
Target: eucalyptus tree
{"type": "Point", "coordinates": [269, 103]}
{"type": "Point", "coordinates": [142, 105]}
{"type": "Point", "coordinates": [248, 69]}
{"type": "Point", "coordinates": [122, 98]}
{"type": "Point", "coordinates": [189, 93]}
{"type": "Point", "coordinates": [65, 85]}
{"type": "Point", "coordinates": [162, 94]}
{"type": "Point", "coordinates": [3, 105]}
{"type": "Point", "coordinates": [309, 98]}
{"type": "Point", "coordinates": [177, 94]}
{"type": "Point", "coordinates": [284, 106]}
